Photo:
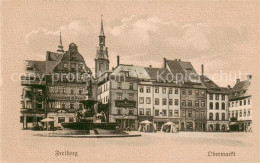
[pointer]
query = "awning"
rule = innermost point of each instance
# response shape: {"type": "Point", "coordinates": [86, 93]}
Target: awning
{"type": "Point", "coordinates": [47, 120]}
{"type": "Point", "coordinates": [233, 123]}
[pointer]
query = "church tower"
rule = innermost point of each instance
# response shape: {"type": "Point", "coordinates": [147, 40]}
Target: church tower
{"type": "Point", "coordinates": [101, 59]}
{"type": "Point", "coordinates": [60, 47]}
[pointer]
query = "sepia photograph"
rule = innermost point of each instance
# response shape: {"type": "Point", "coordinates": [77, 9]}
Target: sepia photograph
{"type": "Point", "coordinates": [129, 81]}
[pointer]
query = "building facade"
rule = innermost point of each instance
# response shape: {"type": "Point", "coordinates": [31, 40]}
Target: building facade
{"type": "Point", "coordinates": [240, 106]}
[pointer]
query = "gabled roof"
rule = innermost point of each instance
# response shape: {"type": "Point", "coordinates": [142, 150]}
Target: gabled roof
{"type": "Point", "coordinates": [36, 67]}
{"type": "Point", "coordinates": [184, 69]}
{"type": "Point", "coordinates": [160, 74]}
{"type": "Point", "coordinates": [240, 90]}
{"type": "Point", "coordinates": [211, 86]}
{"type": "Point", "coordinates": [133, 71]}
{"type": "Point", "coordinates": [52, 60]}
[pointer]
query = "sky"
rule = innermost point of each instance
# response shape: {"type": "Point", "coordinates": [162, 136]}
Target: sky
{"type": "Point", "coordinates": [221, 35]}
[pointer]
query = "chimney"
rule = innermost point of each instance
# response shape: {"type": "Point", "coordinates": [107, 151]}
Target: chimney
{"type": "Point", "coordinates": [164, 62]}
{"type": "Point", "coordinates": [238, 80]}
{"type": "Point", "coordinates": [118, 61]}
{"type": "Point", "coordinates": [202, 69]}
{"type": "Point", "coordinates": [249, 77]}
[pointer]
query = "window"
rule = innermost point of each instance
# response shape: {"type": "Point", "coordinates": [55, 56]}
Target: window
{"type": "Point", "coordinates": [148, 100]}
{"type": "Point", "coordinates": [217, 116]}
{"type": "Point", "coordinates": [176, 113]}
{"type": "Point", "coordinates": [80, 66]}
{"type": "Point", "coordinates": [176, 101]}
{"type": "Point", "coordinates": [71, 105]}
{"type": "Point", "coordinates": [131, 87]}
{"type": "Point", "coordinates": [131, 96]}
{"type": "Point", "coordinates": [211, 105]}
{"type": "Point", "coordinates": [65, 65]}
{"type": "Point", "coordinates": [148, 111]}
{"type": "Point", "coordinates": [183, 92]}
{"type": "Point", "coordinates": [164, 90]}
{"type": "Point", "coordinates": [244, 112]}
{"type": "Point", "coordinates": [80, 91]}
{"type": "Point", "coordinates": [190, 92]}
{"type": "Point", "coordinates": [61, 119]}
{"type": "Point", "coordinates": [71, 119]}
{"type": "Point", "coordinates": [141, 100]}
{"type": "Point", "coordinates": [73, 66]}
{"type": "Point", "coordinates": [217, 106]}
{"type": "Point", "coordinates": [148, 89]}
{"type": "Point", "coordinates": [156, 90]}
{"type": "Point", "coordinates": [130, 112]}
{"type": "Point", "coordinates": [189, 114]}
{"type": "Point", "coordinates": [190, 103]}
{"type": "Point", "coordinates": [223, 97]}
{"type": "Point", "coordinates": [211, 96]}
{"type": "Point", "coordinates": [183, 103]}
{"type": "Point", "coordinates": [170, 113]}
{"type": "Point", "coordinates": [244, 102]}
{"type": "Point", "coordinates": [240, 103]}
{"type": "Point", "coordinates": [240, 113]}
{"type": "Point", "coordinates": [170, 91]}
{"type": "Point", "coordinates": [164, 101]}
{"type": "Point", "coordinates": [202, 103]}
{"type": "Point", "coordinates": [119, 85]}
{"type": "Point", "coordinates": [119, 111]}
{"type": "Point", "coordinates": [51, 90]}
{"type": "Point", "coordinates": [248, 103]}
{"type": "Point", "coordinates": [223, 117]}
{"type": "Point", "coordinates": [248, 112]}
{"type": "Point", "coordinates": [72, 91]}
{"type": "Point", "coordinates": [233, 114]}
{"type": "Point", "coordinates": [183, 113]}
{"type": "Point", "coordinates": [203, 93]}
{"type": "Point", "coordinates": [236, 113]}
{"type": "Point", "coordinates": [176, 91]}
{"type": "Point", "coordinates": [223, 107]}
{"type": "Point", "coordinates": [217, 97]}
{"type": "Point", "coordinates": [156, 112]}
{"type": "Point", "coordinates": [63, 106]}
{"type": "Point", "coordinates": [157, 101]}
{"type": "Point", "coordinates": [141, 89]}
{"type": "Point", "coordinates": [164, 112]}
{"type": "Point", "coordinates": [196, 103]}
{"type": "Point", "coordinates": [170, 102]}
{"type": "Point", "coordinates": [197, 92]}
{"type": "Point", "coordinates": [80, 106]}
{"type": "Point", "coordinates": [119, 96]}
{"type": "Point", "coordinates": [211, 116]}
{"type": "Point", "coordinates": [232, 104]}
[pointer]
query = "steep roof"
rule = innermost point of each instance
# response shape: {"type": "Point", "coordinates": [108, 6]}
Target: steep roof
{"type": "Point", "coordinates": [211, 86]}
{"type": "Point", "coordinates": [183, 69]}
{"type": "Point", "coordinates": [133, 71]}
{"type": "Point", "coordinates": [160, 74]}
{"type": "Point", "coordinates": [36, 67]}
{"type": "Point", "coordinates": [52, 60]}
{"type": "Point", "coordinates": [240, 90]}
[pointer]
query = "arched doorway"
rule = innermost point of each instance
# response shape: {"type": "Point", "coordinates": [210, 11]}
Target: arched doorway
{"type": "Point", "coordinates": [211, 127]}
{"type": "Point", "coordinates": [217, 127]}
{"type": "Point", "coordinates": [223, 128]}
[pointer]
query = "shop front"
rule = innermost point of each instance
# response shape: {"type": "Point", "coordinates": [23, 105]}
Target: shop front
{"type": "Point", "coordinates": [220, 126]}
{"type": "Point", "coordinates": [159, 122]}
{"type": "Point", "coordinates": [125, 122]}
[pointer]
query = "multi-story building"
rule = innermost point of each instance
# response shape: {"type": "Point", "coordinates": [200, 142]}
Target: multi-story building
{"type": "Point", "coordinates": [159, 99]}
{"type": "Point", "coordinates": [66, 86]}
{"type": "Point", "coordinates": [33, 93]}
{"type": "Point", "coordinates": [119, 90]}
{"type": "Point", "coordinates": [217, 106]}
{"type": "Point", "coordinates": [193, 97]}
{"type": "Point", "coordinates": [240, 105]}
{"type": "Point", "coordinates": [54, 88]}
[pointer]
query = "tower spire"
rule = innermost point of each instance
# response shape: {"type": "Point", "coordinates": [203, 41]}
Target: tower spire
{"type": "Point", "coordinates": [102, 29]}
{"type": "Point", "coordinates": [60, 47]}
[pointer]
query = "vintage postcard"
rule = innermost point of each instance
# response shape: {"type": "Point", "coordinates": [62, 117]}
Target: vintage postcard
{"type": "Point", "coordinates": [129, 81]}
